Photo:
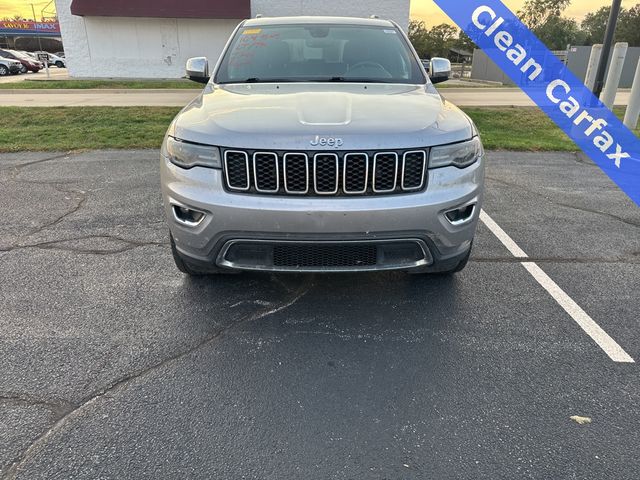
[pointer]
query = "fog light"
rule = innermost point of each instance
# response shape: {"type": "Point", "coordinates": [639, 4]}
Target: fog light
{"type": "Point", "coordinates": [187, 216]}
{"type": "Point", "coordinates": [460, 216]}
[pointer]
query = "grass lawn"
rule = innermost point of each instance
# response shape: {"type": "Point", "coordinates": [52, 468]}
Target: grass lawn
{"type": "Point", "coordinates": [102, 84]}
{"type": "Point", "coordinates": [523, 129]}
{"type": "Point", "coordinates": [74, 128]}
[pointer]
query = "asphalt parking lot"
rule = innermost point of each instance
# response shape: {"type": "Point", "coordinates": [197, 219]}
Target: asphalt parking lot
{"type": "Point", "coordinates": [114, 365]}
{"type": "Point", "coordinates": [55, 73]}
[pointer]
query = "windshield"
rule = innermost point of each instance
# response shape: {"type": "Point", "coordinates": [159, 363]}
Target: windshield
{"type": "Point", "coordinates": [19, 55]}
{"type": "Point", "coordinates": [338, 53]}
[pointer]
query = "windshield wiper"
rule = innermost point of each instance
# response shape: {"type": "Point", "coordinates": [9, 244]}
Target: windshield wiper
{"type": "Point", "coordinates": [347, 80]}
{"type": "Point", "coordinates": [269, 80]}
{"type": "Point", "coordinates": [336, 79]}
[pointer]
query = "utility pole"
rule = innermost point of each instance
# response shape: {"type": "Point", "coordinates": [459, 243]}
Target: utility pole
{"type": "Point", "coordinates": [35, 21]}
{"type": "Point", "coordinates": [606, 49]}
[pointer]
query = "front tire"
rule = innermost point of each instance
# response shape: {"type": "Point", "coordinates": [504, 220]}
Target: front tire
{"type": "Point", "coordinates": [59, 64]}
{"type": "Point", "coordinates": [4, 70]}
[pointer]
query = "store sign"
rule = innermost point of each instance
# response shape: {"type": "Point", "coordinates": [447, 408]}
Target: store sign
{"type": "Point", "coordinates": [19, 27]}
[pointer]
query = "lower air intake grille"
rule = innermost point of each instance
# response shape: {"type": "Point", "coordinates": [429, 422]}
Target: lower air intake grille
{"type": "Point", "coordinates": [324, 255]}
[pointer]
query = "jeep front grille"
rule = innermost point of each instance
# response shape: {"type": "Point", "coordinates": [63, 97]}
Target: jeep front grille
{"type": "Point", "coordinates": [325, 173]}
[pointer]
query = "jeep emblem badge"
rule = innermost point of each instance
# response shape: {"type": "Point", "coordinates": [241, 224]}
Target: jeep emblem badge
{"type": "Point", "coordinates": [326, 142]}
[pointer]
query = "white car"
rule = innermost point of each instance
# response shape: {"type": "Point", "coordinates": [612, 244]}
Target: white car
{"type": "Point", "coordinates": [8, 66]}
{"type": "Point", "coordinates": [53, 59]}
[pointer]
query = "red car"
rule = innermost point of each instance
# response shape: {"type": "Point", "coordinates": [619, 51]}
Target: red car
{"type": "Point", "coordinates": [28, 63]}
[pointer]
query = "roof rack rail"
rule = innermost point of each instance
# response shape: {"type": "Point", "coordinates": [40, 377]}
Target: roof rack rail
{"type": "Point", "coordinates": [374, 16]}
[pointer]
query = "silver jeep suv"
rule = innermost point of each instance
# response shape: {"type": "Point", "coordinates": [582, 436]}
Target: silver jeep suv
{"type": "Point", "coordinates": [319, 144]}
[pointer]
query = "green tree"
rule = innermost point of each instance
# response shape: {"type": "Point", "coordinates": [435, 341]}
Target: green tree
{"type": "Point", "coordinates": [418, 33]}
{"type": "Point", "coordinates": [558, 32]}
{"type": "Point", "coordinates": [594, 26]}
{"type": "Point", "coordinates": [629, 26]}
{"type": "Point", "coordinates": [441, 39]}
{"type": "Point", "coordinates": [465, 43]}
{"type": "Point", "coordinates": [535, 13]}
{"type": "Point", "coordinates": [434, 42]}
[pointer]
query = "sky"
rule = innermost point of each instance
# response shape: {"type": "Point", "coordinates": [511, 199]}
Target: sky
{"type": "Point", "coordinates": [11, 8]}
{"type": "Point", "coordinates": [420, 9]}
{"type": "Point", "coordinates": [428, 11]}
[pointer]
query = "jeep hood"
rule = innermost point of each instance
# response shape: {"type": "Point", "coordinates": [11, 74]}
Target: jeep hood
{"type": "Point", "coordinates": [288, 116]}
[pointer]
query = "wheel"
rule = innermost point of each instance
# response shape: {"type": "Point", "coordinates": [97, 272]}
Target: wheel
{"type": "Point", "coordinates": [23, 69]}
{"type": "Point", "coordinates": [4, 70]}
{"type": "Point", "coordinates": [59, 64]}
{"type": "Point", "coordinates": [185, 267]}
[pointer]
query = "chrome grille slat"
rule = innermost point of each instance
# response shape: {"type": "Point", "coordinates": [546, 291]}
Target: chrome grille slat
{"type": "Point", "coordinates": [293, 165]}
{"type": "Point", "coordinates": [413, 170]}
{"type": "Point", "coordinates": [325, 173]}
{"type": "Point", "coordinates": [360, 172]}
{"type": "Point", "coordinates": [266, 172]}
{"type": "Point", "coordinates": [236, 166]}
{"type": "Point", "coordinates": [385, 172]}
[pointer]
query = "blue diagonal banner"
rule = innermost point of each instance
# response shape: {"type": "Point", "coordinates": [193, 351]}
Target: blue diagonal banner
{"type": "Point", "coordinates": [552, 86]}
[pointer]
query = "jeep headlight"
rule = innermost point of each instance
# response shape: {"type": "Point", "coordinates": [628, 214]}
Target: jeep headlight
{"type": "Point", "coordinates": [188, 155]}
{"type": "Point", "coordinates": [460, 155]}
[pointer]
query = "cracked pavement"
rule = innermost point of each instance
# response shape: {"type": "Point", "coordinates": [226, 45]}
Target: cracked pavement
{"type": "Point", "coordinates": [114, 365]}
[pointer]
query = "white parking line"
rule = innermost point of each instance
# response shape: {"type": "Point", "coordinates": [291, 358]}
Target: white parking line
{"type": "Point", "coordinates": [606, 343]}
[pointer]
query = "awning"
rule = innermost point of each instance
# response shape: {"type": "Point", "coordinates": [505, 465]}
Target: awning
{"type": "Point", "coordinates": [236, 9]}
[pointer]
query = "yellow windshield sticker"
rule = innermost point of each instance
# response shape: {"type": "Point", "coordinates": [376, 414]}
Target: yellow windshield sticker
{"type": "Point", "coordinates": [252, 31]}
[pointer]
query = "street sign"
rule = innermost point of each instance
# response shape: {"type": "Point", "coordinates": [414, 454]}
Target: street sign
{"type": "Point", "coordinates": [43, 57]}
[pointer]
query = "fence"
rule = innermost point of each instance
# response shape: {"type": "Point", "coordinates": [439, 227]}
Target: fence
{"type": "Point", "coordinates": [461, 70]}
{"type": "Point", "coordinates": [576, 59]}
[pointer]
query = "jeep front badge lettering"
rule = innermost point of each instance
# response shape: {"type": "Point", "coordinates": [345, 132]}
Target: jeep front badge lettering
{"type": "Point", "coordinates": [326, 142]}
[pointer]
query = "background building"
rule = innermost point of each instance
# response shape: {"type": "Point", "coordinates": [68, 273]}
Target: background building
{"type": "Point", "coordinates": [29, 35]}
{"type": "Point", "coordinates": [154, 38]}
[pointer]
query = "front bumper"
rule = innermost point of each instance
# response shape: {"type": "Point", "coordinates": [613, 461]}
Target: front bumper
{"type": "Point", "coordinates": [232, 218]}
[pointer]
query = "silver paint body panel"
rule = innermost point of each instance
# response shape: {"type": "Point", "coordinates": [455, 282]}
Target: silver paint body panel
{"type": "Point", "coordinates": [292, 117]}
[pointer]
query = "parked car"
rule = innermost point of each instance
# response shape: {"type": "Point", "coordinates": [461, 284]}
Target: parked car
{"type": "Point", "coordinates": [320, 145]}
{"type": "Point", "coordinates": [54, 59]}
{"type": "Point", "coordinates": [9, 66]}
{"type": "Point", "coordinates": [28, 63]}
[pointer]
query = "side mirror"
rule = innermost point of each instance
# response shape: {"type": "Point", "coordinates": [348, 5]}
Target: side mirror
{"type": "Point", "coordinates": [440, 70]}
{"type": "Point", "coordinates": [198, 69]}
